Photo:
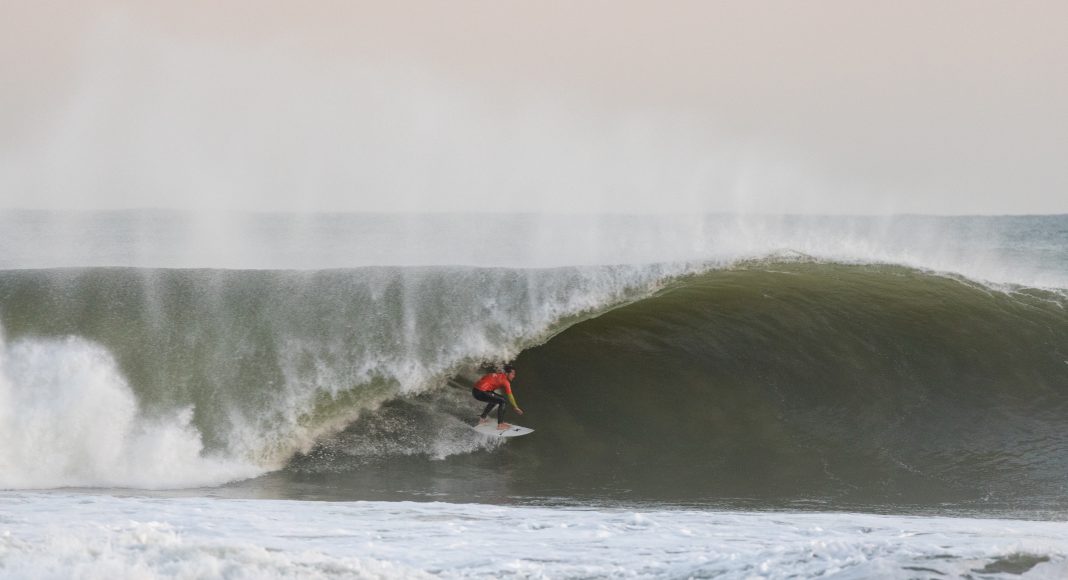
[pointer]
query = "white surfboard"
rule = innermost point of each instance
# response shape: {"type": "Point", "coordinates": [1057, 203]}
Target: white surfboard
{"type": "Point", "coordinates": [492, 430]}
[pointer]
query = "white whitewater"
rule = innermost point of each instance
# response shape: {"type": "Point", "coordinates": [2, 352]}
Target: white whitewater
{"type": "Point", "coordinates": [68, 418]}
{"type": "Point", "coordinates": [101, 537]}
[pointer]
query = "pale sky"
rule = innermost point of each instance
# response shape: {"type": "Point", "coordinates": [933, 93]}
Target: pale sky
{"type": "Point", "coordinates": [950, 106]}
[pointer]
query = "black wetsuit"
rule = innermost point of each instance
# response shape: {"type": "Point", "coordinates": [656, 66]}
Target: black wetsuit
{"type": "Point", "coordinates": [493, 400]}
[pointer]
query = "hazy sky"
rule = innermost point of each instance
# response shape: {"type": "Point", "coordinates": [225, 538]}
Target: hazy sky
{"type": "Point", "coordinates": [818, 106]}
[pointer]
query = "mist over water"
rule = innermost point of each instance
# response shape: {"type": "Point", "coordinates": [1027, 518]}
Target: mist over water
{"type": "Point", "coordinates": [378, 109]}
{"type": "Point", "coordinates": [154, 121]}
{"type": "Point", "coordinates": [1013, 250]}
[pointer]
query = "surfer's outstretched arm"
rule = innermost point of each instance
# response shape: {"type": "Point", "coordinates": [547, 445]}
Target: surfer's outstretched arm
{"type": "Point", "coordinates": [511, 399]}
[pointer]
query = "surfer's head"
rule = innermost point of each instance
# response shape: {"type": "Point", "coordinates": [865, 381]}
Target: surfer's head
{"type": "Point", "coordinates": [510, 371]}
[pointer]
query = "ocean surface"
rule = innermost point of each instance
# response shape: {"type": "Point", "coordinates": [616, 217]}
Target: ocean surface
{"type": "Point", "coordinates": [273, 396]}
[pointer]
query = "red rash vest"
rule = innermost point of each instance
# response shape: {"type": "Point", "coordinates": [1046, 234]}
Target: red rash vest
{"type": "Point", "coordinates": [494, 381]}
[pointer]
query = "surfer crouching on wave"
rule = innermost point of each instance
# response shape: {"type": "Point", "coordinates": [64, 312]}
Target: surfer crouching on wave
{"type": "Point", "coordinates": [485, 390]}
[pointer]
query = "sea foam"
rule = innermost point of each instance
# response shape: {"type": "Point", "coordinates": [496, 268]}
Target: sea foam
{"type": "Point", "coordinates": [61, 535]}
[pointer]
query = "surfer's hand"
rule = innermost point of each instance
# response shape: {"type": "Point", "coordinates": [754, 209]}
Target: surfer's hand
{"type": "Point", "coordinates": [518, 410]}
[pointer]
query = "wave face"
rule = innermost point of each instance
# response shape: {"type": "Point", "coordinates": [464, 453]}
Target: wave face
{"type": "Point", "coordinates": [793, 363]}
{"type": "Point", "coordinates": [783, 382]}
{"type": "Point", "coordinates": [809, 380]}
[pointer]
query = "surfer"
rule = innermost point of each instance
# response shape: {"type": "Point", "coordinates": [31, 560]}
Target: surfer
{"type": "Point", "coordinates": [485, 390]}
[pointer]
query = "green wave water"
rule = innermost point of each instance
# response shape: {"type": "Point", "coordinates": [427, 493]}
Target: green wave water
{"type": "Point", "coordinates": [770, 382]}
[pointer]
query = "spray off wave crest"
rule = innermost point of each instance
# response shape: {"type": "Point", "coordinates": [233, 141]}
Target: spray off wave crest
{"type": "Point", "coordinates": [1028, 251]}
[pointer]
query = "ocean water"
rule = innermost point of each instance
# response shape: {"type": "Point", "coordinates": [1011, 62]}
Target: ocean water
{"type": "Point", "coordinates": [267, 395]}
